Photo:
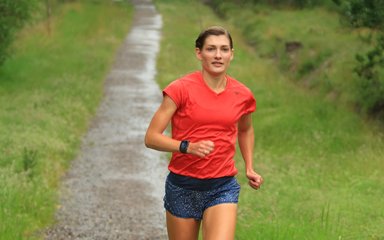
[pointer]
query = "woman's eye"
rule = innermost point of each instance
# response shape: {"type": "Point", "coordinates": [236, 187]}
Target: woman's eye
{"type": "Point", "coordinates": [210, 49]}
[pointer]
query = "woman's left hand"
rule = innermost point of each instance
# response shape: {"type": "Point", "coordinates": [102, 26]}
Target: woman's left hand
{"type": "Point", "coordinates": [255, 180]}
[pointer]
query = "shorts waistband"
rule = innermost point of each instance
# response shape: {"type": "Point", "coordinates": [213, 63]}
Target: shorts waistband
{"type": "Point", "coordinates": [196, 184]}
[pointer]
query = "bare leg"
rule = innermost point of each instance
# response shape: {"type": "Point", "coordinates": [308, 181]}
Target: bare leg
{"type": "Point", "coordinates": [219, 222]}
{"type": "Point", "coordinates": [182, 228]}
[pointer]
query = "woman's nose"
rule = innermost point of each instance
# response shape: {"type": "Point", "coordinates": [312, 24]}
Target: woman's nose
{"type": "Point", "coordinates": [218, 54]}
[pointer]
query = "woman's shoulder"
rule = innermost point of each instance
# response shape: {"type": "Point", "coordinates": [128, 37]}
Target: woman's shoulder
{"type": "Point", "coordinates": [185, 81]}
{"type": "Point", "coordinates": [191, 77]}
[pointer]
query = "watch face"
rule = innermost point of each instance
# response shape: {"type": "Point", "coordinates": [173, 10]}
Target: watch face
{"type": "Point", "coordinates": [184, 146]}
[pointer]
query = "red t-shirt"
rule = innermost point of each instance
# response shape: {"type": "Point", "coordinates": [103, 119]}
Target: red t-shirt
{"type": "Point", "coordinates": [203, 114]}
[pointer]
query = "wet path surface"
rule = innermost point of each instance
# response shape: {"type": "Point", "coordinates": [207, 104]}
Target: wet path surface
{"type": "Point", "coordinates": [114, 188]}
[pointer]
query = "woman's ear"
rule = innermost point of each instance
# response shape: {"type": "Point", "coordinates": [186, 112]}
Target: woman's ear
{"type": "Point", "coordinates": [198, 53]}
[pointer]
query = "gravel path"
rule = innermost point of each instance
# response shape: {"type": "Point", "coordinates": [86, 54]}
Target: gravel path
{"type": "Point", "coordinates": [114, 188]}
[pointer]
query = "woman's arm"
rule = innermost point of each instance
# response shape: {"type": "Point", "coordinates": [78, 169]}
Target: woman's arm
{"type": "Point", "coordinates": [155, 139]}
{"type": "Point", "coordinates": [246, 144]}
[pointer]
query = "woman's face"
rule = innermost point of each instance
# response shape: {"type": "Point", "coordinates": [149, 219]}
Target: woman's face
{"type": "Point", "coordinates": [215, 55]}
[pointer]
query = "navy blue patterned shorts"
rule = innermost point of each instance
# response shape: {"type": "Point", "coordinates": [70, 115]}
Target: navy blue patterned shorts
{"type": "Point", "coordinates": [186, 201]}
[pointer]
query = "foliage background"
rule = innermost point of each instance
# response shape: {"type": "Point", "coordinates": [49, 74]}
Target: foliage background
{"type": "Point", "coordinates": [340, 54]}
{"type": "Point", "coordinates": [50, 87]}
{"type": "Point", "coordinates": [13, 15]}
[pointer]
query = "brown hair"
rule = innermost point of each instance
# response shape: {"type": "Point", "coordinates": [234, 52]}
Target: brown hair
{"type": "Point", "coordinates": [214, 30]}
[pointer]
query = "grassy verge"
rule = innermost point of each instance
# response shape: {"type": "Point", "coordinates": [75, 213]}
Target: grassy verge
{"type": "Point", "coordinates": [325, 57]}
{"type": "Point", "coordinates": [49, 90]}
{"type": "Point", "coordinates": [321, 163]}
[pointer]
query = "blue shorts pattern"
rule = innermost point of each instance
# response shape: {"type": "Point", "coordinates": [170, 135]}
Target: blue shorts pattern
{"type": "Point", "coordinates": [187, 203]}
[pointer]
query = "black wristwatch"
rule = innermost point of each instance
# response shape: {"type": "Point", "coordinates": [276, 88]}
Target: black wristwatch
{"type": "Point", "coordinates": [184, 146]}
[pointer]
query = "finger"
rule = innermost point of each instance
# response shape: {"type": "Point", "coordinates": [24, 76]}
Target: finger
{"type": "Point", "coordinates": [209, 144]}
{"type": "Point", "coordinates": [202, 152]}
{"type": "Point", "coordinates": [260, 180]}
{"type": "Point", "coordinates": [255, 183]}
{"type": "Point", "coordinates": [254, 186]}
{"type": "Point", "coordinates": [206, 150]}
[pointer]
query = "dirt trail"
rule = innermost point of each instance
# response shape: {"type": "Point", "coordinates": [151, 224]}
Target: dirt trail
{"type": "Point", "coordinates": [114, 188]}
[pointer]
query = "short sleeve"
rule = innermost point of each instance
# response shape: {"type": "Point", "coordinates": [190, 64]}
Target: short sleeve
{"type": "Point", "coordinates": [250, 104]}
{"type": "Point", "coordinates": [175, 91]}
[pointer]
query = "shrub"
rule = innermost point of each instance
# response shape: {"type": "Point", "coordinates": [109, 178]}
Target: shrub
{"type": "Point", "coordinates": [288, 3]}
{"type": "Point", "coordinates": [13, 14]}
{"type": "Point", "coordinates": [370, 87]}
{"type": "Point", "coordinates": [363, 13]}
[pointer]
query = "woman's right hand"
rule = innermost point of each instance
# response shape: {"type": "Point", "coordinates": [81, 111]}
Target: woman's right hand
{"type": "Point", "coordinates": [201, 148]}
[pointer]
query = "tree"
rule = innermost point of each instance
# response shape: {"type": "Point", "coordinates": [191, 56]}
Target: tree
{"type": "Point", "coordinates": [370, 87]}
{"type": "Point", "coordinates": [370, 82]}
{"type": "Point", "coordinates": [13, 14]}
{"type": "Point", "coordinates": [363, 13]}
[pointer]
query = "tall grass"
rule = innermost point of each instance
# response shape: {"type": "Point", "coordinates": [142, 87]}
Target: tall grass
{"type": "Point", "coordinates": [49, 90]}
{"type": "Point", "coordinates": [322, 164]}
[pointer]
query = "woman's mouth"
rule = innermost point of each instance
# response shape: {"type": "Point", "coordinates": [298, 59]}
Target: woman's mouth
{"type": "Point", "coordinates": [217, 64]}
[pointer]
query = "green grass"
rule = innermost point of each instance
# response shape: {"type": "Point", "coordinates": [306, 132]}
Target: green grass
{"type": "Point", "coordinates": [322, 163]}
{"type": "Point", "coordinates": [326, 60]}
{"type": "Point", "coordinates": [49, 90]}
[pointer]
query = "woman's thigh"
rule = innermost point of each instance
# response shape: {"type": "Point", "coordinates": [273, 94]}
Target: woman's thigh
{"type": "Point", "coordinates": [219, 222]}
{"type": "Point", "coordinates": [182, 228]}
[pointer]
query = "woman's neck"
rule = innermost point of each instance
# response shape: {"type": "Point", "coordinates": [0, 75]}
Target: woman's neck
{"type": "Point", "coordinates": [216, 83]}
